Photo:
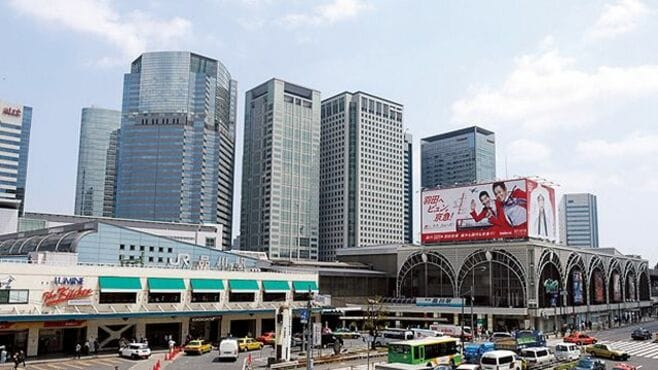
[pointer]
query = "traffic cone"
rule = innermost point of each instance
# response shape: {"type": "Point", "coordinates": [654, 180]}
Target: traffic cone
{"type": "Point", "coordinates": [157, 365]}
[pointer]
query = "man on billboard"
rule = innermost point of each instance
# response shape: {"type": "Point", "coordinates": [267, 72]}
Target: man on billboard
{"type": "Point", "coordinates": [513, 203]}
{"type": "Point", "coordinates": [542, 217]}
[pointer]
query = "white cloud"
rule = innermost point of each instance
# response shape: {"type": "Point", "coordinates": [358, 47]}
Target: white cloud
{"type": "Point", "coordinates": [527, 151]}
{"type": "Point", "coordinates": [629, 148]}
{"type": "Point", "coordinates": [131, 33]}
{"type": "Point", "coordinates": [547, 90]}
{"type": "Point", "coordinates": [329, 13]}
{"type": "Point", "coordinates": [617, 19]}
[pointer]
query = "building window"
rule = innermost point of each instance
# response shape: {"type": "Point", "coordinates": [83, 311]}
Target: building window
{"type": "Point", "coordinates": [151, 249]}
{"type": "Point", "coordinates": [205, 297]}
{"type": "Point", "coordinates": [14, 296]}
{"type": "Point", "coordinates": [170, 250]}
{"type": "Point", "coordinates": [274, 297]}
{"type": "Point", "coordinates": [241, 297]}
{"type": "Point", "coordinates": [164, 297]}
{"type": "Point", "coordinates": [132, 247]}
{"type": "Point", "coordinates": [160, 250]}
{"type": "Point", "coordinates": [210, 242]}
{"type": "Point", "coordinates": [122, 247]}
{"type": "Point", "coordinates": [108, 298]}
{"type": "Point", "coordinates": [141, 248]}
{"type": "Point", "coordinates": [160, 259]}
{"type": "Point", "coordinates": [150, 259]}
{"type": "Point", "coordinates": [302, 297]}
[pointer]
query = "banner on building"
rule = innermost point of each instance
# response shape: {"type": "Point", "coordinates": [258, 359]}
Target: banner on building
{"type": "Point", "coordinates": [616, 287]}
{"type": "Point", "coordinates": [577, 286]}
{"type": "Point", "coordinates": [599, 289]}
{"type": "Point", "coordinates": [510, 209]}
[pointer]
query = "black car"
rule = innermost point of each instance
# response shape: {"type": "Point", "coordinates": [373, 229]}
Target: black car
{"type": "Point", "coordinates": [641, 334]}
{"type": "Point", "coordinates": [327, 340]}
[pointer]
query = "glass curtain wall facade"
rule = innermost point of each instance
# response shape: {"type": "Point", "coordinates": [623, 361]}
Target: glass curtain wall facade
{"type": "Point", "coordinates": [95, 186]}
{"type": "Point", "coordinates": [176, 143]}
{"type": "Point", "coordinates": [280, 171]}
{"type": "Point", "coordinates": [362, 173]}
{"type": "Point", "coordinates": [458, 157]}
{"type": "Point", "coordinates": [15, 127]}
{"type": "Point", "coordinates": [579, 226]}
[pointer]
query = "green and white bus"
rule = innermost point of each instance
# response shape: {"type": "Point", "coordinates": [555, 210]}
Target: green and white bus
{"type": "Point", "coordinates": [426, 352]}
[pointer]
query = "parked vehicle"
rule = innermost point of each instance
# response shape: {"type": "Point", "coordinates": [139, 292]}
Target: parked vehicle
{"type": "Point", "coordinates": [198, 347]}
{"type": "Point", "coordinates": [641, 334]}
{"type": "Point", "coordinates": [537, 355]}
{"type": "Point", "coordinates": [346, 333]}
{"type": "Point", "coordinates": [567, 352]}
{"type": "Point", "coordinates": [249, 344]}
{"type": "Point", "coordinates": [454, 331]}
{"type": "Point", "coordinates": [229, 348]}
{"type": "Point", "coordinates": [500, 360]}
{"type": "Point", "coordinates": [399, 334]}
{"type": "Point", "coordinates": [589, 363]}
{"type": "Point", "coordinates": [606, 351]}
{"type": "Point", "coordinates": [136, 351]}
{"type": "Point", "coordinates": [267, 338]}
{"type": "Point", "coordinates": [579, 338]}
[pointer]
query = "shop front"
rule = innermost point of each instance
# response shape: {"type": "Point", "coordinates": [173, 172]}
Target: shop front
{"type": "Point", "coordinates": [206, 328]}
{"type": "Point", "coordinates": [61, 336]}
{"type": "Point", "coordinates": [13, 338]}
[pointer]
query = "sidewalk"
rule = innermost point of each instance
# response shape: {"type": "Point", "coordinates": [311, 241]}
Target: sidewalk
{"type": "Point", "coordinates": [141, 365]}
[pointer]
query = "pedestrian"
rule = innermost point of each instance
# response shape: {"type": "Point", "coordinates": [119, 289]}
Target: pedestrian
{"type": "Point", "coordinates": [3, 355]}
{"type": "Point", "coordinates": [78, 349]}
{"type": "Point", "coordinates": [16, 360]}
{"type": "Point", "coordinates": [21, 357]}
{"type": "Point", "coordinates": [96, 347]}
{"type": "Point", "coordinates": [87, 347]}
{"type": "Point", "coordinates": [171, 345]}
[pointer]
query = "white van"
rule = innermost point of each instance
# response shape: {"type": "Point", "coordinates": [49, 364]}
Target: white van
{"type": "Point", "coordinates": [228, 348]}
{"type": "Point", "coordinates": [426, 333]}
{"type": "Point", "coordinates": [500, 360]}
{"type": "Point", "coordinates": [537, 355]}
{"type": "Point", "coordinates": [567, 352]}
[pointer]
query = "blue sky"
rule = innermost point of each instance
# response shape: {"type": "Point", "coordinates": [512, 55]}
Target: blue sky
{"type": "Point", "coordinates": [569, 87]}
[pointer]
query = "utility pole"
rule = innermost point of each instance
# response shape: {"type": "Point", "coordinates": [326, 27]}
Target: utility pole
{"type": "Point", "coordinates": [309, 334]}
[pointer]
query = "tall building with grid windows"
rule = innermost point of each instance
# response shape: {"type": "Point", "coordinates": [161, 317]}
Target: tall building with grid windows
{"type": "Point", "coordinates": [96, 181]}
{"type": "Point", "coordinates": [408, 189]}
{"type": "Point", "coordinates": [177, 140]}
{"type": "Point", "coordinates": [463, 156]}
{"type": "Point", "coordinates": [15, 128]}
{"type": "Point", "coordinates": [579, 225]}
{"type": "Point", "coordinates": [361, 173]}
{"type": "Point", "coordinates": [280, 171]}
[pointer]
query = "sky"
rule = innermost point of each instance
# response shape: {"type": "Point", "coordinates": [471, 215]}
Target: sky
{"type": "Point", "coordinates": [569, 87]}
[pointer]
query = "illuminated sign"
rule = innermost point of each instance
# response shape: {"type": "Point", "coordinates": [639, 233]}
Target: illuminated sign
{"type": "Point", "coordinates": [65, 294]}
{"type": "Point", "coordinates": [9, 111]}
{"type": "Point", "coordinates": [67, 280]}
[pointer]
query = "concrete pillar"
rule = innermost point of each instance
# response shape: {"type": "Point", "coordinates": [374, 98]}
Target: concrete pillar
{"type": "Point", "coordinates": [32, 342]}
{"type": "Point", "coordinates": [92, 330]}
{"type": "Point", "coordinates": [140, 329]}
{"type": "Point", "coordinates": [490, 322]}
{"type": "Point", "coordinates": [225, 327]}
{"type": "Point", "coordinates": [259, 326]}
{"type": "Point", "coordinates": [184, 330]}
{"type": "Point", "coordinates": [455, 320]}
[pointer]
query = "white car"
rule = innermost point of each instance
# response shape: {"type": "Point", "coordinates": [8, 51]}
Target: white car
{"type": "Point", "coordinates": [500, 360]}
{"type": "Point", "coordinates": [135, 351]}
{"type": "Point", "coordinates": [567, 352]}
{"type": "Point", "coordinates": [537, 355]}
{"type": "Point", "coordinates": [228, 348]}
{"type": "Point", "coordinates": [468, 367]}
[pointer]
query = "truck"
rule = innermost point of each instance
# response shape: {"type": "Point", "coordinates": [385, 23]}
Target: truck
{"type": "Point", "coordinates": [473, 351]}
{"type": "Point", "coordinates": [454, 331]}
{"type": "Point", "coordinates": [520, 340]}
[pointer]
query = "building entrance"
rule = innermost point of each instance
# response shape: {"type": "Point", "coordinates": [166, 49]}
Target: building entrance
{"type": "Point", "coordinates": [243, 328]}
{"type": "Point", "coordinates": [205, 328]}
{"type": "Point", "coordinates": [158, 334]}
{"type": "Point", "coordinates": [61, 340]}
{"type": "Point", "coordinates": [14, 340]}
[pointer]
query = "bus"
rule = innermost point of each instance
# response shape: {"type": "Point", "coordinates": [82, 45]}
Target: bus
{"type": "Point", "coordinates": [426, 352]}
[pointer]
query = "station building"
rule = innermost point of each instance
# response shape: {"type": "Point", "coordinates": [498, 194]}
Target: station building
{"type": "Point", "coordinates": [512, 284]}
{"type": "Point", "coordinates": [77, 282]}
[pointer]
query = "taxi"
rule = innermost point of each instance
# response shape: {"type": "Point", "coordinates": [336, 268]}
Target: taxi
{"type": "Point", "coordinates": [198, 347]}
{"type": "Point", "coordinates": [267, 338]}
{"type": "Point", "coordinates": [606, 351]}
{"type": "Point", "coordinates": [579, 338]}
{"type": "Point", "coordinates": [249, 344]}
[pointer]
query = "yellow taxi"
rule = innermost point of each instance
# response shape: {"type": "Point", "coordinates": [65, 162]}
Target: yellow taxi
{"type": "Point", "coordinates": [198, 347]}
{"type": "Point", "coordinates": [605, 350]}
{"type": "Point", "coordinates": [249, 344]}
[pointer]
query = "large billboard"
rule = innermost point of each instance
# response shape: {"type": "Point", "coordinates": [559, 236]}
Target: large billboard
{"type": "Point", "coordinates": [11, 113]}
{"type": "Point", "coordinates": [577, 286]}
{"type": "Point", "coordinates": [599, 289]}
{"type": "Point", "coordinates": [510, 209]}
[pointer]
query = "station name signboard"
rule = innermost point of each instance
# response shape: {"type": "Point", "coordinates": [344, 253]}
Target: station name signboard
{"type": "Point", "coordinates": [512, 209]}
{"type": "Point", "coordinates": [439, 302]}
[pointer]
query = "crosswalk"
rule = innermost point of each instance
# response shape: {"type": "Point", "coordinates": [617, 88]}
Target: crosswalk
{"type": "Point", "coordinates": [83, 364]}
{"type": "Point", "coordinates": [647, 349]}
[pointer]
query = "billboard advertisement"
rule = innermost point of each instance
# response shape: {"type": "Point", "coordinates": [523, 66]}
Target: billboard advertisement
{"type": "Point", "coordinates": [510, 209]}
{"type": "Point", "coordinates": [577, 286]}
{"type": "Point", "coordinates": [599, 292]}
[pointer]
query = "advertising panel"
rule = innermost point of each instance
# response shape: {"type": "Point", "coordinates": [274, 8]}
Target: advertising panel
{"type": "Point", "coordinates": [631, 288]}
{"type": "Point", "coordinates": [541, 211]}
{"type": "Point", "coordinates": [496, 210]}
{"type": "Point", "coordinates": [577, 286]}
{"type": "Point", "coordinates": [11, 113]}
{"type": "Point", "coordinates": [616, 287]}
{"type": "Point", "coordinates": [599, 292]}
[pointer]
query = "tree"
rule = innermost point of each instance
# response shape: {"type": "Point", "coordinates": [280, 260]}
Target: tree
{"type": "Point", "coordinates": [375, 320]}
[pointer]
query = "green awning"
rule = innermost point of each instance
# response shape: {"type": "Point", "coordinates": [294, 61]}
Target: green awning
{"type": "Point", "coordinates": [276, 286]}
{"type": "Point", "coordinates": [206, 285]}
{"type": "Point", "coordinates": [118, 284]}
{"type": "Point", "coordinates": [166, 285]}
{"type": "Point", "coordinates": [243, 286]}
{"type": "Point", "coordinates": [305, 286]}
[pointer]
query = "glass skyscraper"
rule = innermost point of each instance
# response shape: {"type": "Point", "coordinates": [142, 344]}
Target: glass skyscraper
{"type": "Point", "coordinates": [176, 143]}
{"type": "Point", "coordinates": [579, 225]}
{"type": "Point", "coordinates": [95, 186]}
{"type": "Point", "coordinates": [280, 171]}
{"type": "Point", "coordinates": [408, 189]}
{"type": "Point", "coordinates": [15, 126]}
{"type": "Point", "coordinates": [458, 157]}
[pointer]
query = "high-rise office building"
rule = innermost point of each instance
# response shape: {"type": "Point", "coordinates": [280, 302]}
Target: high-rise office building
{"type": "Point", "coordinates": [15, 126]}
{"type": "Point", "coordinates": [458, 157]}
{"type": "Point", "coordinates": [176, 143]}
{"type": "Point", "coordinates": [408, 189]}
{"type": "Point", "coordinates": [579, 226]}
{"type": "Point", "coordinates": [280, 171]}
{"type": "Point", "coordinates": [361, 173]}
{"type": "Point", "coordinates": [95, 185]}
